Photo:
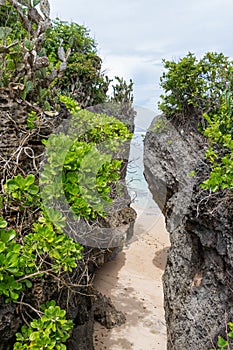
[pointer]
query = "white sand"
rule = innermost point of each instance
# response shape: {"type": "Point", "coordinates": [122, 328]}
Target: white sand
{"type": "Point", "coordinates": [133, 281]}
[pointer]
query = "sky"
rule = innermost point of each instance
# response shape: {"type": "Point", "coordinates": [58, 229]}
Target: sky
{"type": "Point", "coordinates": [134, 36]}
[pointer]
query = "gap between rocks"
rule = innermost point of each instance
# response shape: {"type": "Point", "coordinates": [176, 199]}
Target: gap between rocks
{"type": "Point", "coordinates": [133, 280]}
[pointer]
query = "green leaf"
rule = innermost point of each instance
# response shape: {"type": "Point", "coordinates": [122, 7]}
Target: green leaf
{"type": "Point", "coordinates": [2, 247]}
{"type": "Point", "coordinates": [3, 223]}
{"type": "Point", "coordinates": [14, 295]}
{"type": "Point", "coordinates": [36, 2]}
{"type": "Point", "coordinates": [7, 236]}
{"type": "Point", "coordinates": [12, 259]}
{"type": "Point", "coordinates": [222, 343]}
{"type": "Point", "coordinates": [28, 87]}
{"type": "Point", "coordinates": [29, 180]}
{"type": "Point", "coordinates": [34, 189]}
{"type": "Point", "coordinates": [11, 65]}
{"type": "Point", "coordinates": [34, 336]}
{"type": "Point", "coordinates": [11, 184]}
{"type": "Point", "coordinates": [19, 180]}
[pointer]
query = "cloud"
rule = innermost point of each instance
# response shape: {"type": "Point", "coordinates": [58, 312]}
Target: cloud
{"type": "Point", "coordinates": [145, 76]}
{"type": "Point", "coordinates": [135, 35]}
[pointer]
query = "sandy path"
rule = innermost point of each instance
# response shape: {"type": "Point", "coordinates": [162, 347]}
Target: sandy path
{"type": "Point", "coordinates": [133, 281]}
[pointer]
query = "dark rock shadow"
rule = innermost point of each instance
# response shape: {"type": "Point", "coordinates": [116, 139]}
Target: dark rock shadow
{"type": "Point", "coordinates": [160, 259]}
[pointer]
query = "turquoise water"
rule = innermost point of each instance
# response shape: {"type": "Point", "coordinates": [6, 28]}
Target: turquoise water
{"type": "Point", "coordinates": [136, 183]}
{"type": "Point", "coordinates": [141, 197]}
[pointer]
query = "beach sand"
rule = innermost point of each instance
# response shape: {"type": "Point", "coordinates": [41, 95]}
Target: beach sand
{"type": "Point", "coordinates": [133, 282]}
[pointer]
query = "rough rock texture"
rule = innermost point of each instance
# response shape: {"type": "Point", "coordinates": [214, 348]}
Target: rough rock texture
{"type": "Point", "coordinates": [198, 280]}
{"type": "Point", "coordinates": [22, 151]}
{"type": "Point", "coordinates": [106, 314]}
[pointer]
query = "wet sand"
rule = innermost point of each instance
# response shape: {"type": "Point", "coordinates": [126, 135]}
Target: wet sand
{"type": "Point", "coordinates": [133, 281]}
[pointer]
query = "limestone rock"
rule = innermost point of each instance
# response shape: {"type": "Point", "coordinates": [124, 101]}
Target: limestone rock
{"type": "Point", "coordinates": [198, 280]}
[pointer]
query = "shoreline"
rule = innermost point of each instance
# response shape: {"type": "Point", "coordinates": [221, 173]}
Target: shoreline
{"type": "Point", "coordinates": [133, 281]}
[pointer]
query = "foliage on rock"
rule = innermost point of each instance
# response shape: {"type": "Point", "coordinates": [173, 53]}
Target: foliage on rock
{"type": "Point", "coordinates": [41, 59]}
{"type": "Point", "coordinates": [193, 87]}
{"type": "Point", "coordinates": [219, 131]}
{"type": "Point", "coordinates": [81, 165]}
{"type": "Point", "coordinates": [50, 331]}
{"type": "Point", "coordinates": [82, 78]}
{"type": "Point", "coordinates": [22, 56]}
{"type": "Point", "coordinates": [198, 94]}
{"type": "Point", "coordinates": [44, 66]}
{"type": "Point", "coordinates": [46, 249]}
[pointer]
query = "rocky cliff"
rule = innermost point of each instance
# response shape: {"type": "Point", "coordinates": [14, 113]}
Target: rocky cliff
{"type": "Point", "coordinates": [22, 151]}
{"type": "Point", "coordinates": [198, 280]}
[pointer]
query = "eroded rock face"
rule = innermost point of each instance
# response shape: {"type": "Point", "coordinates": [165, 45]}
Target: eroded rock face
{"type": "Point", "coordinates": [19, 146]}
{"type": "Point", "coordinates": [198, 280]}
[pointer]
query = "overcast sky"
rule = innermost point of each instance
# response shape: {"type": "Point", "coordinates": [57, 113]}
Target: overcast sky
{"type": "Point", "coordinates": [134, 36]}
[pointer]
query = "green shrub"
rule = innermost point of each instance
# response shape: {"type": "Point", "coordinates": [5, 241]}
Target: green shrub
{"type": "Point", "coordinates": [45, 249]}
{"type": "Point", "coordinates": [80, 165]}
{"type": "Point", "coordinates": [199, 93]}
{"type": "Point", "coordinates": [193, 87]}
{"type": "Point", "coordinates": [50, 331]}
{"type": "Point", "coordinates": [13, 264]}
{"type": "Point", "coordinates": [219, 131]}
{"type": "Point", "coordinates": [82, 79]}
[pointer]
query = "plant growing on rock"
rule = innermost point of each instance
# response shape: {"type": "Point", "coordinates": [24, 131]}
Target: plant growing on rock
{"type": "Point", "coordinates": [198, 99]}
{"type": "Point", "coordinates": [198, 93]}
{"type": "Point", "coordinates": [40, 58]}
{"type": "Point", "coordinates": [82, 79]}
{"type": "Point", "coordinates": [224, 344]}
{"type": "Point", "coordinates": [219, 131]}
{"type": "Point", "coordinates": [22, 58]}
{"type": "Point", "coordinates": [78, 168]}
{"type": "Point", "coordinates": [26, 256]}
{"type": "Point", "coordinates": [39, 61]}
{"type": "Point", "coordinates": [123, 91]}
{"type": "Point", "coordinates": [193, 87]}
{"type": "Point", "coordinates": [13, 264]}
{"type": "Point", "coordinates": [50, 331]}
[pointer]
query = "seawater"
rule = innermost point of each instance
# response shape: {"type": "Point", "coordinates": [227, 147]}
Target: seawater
{"type": "Point", "coordinates": [142, 201]}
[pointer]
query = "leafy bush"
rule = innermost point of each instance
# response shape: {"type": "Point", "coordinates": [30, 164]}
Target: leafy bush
{"type": "Point", "coordinates": [50, 331]}
{"type": "Point", "coordinates": [41, 59]}
{"type": "Point", "coordinates": [27, 256]}
{"type": "Point", "coordinates": [82, 78]}
{"type": "Point", "coordinates": [46, 240]}
{"type": "Point", "coordinates": [193, 87]}
{"type": "Point", "coordinates": [23, 190]}
{"type": "Point", "coordinates": [36, 54]}
{"type": "Point", "coordinates": [72, 105]}
{"type": "Point", "coordinates": [220, 154]}
{"type": "Point", "coordinates": [122, 91]}
{"type": "Point", "coordinates": [80, 164]}
{"type": "Point", "coordinates": [13, 264]}
{"type": "Point", "coordinates": [201, 91]}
